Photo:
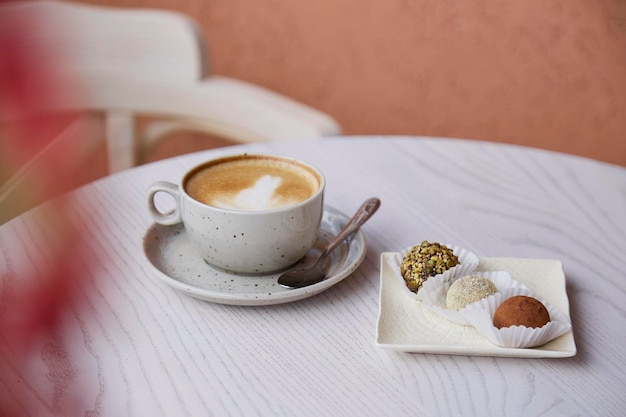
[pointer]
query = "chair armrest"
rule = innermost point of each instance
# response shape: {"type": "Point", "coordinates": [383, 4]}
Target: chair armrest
{"type": "Point", "coordinates": [247, 113]}
{"type": "Point", "coordinates": [232, 109]}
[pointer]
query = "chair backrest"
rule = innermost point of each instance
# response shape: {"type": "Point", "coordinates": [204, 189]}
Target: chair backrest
{"type": "Point", "coordinates": [88, 56]}
{"type": "Point", "coordinates": [85, 41]}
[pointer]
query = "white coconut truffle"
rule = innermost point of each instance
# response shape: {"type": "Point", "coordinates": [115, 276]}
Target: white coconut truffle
{"type": "Point", "coordinates": [467, 290]}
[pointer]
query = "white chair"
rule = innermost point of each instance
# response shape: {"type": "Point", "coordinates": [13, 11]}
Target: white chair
{"type": "Point", "coordinates": [129, 62]}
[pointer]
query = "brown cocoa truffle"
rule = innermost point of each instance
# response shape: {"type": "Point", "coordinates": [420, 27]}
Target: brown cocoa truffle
{"type": "Point", "coordinates": [521, 310]}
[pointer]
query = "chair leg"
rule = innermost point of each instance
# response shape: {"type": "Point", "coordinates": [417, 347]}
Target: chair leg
{"type": "Point", "coordinates": [120, 137]}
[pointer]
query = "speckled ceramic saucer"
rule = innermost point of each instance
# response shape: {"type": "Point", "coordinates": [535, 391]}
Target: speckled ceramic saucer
{"type": "Point", "coordinates": [175, 262]}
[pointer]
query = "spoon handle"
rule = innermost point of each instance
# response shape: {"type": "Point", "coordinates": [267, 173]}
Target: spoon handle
{"type": "Point", "coordinates": [361, 216]}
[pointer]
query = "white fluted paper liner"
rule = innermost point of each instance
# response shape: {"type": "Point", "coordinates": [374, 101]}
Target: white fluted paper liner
{"type": "Point", "coordinates": [436, 300]}
{"type": "Point", "coordinates": [432, 287]}
{"type": "Point", "coordinates": [480, 315]}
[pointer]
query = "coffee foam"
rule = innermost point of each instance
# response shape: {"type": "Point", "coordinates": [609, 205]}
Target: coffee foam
{"type": "Point", "coordinates": [259, 197]}
{"type": "Point", "coordinates": [253, 184]}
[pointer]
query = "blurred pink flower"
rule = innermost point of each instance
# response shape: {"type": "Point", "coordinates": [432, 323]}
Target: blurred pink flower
{"type": "Point", "coordinates": [32, 313]}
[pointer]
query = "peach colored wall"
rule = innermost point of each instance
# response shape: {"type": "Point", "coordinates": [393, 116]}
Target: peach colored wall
{"type": "Point", "coordinates": [542, 73]}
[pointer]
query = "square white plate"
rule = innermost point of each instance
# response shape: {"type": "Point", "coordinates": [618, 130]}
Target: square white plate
{"type": "Point", "coordinates": [404, 324]}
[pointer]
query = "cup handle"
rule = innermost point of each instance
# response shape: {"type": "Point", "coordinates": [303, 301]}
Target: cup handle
{"type": "Point", "coordinates": [171, 217]}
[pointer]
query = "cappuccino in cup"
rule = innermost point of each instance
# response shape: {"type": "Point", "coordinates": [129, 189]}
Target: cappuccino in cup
{"type": "Point", "coordinates": [252, 183]}
{"type": "Point", "coordinates": [247, 214]}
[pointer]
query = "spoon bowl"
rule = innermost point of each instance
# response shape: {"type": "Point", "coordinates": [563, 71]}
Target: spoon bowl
{"type": "Point", "coordinates": [302, 277]}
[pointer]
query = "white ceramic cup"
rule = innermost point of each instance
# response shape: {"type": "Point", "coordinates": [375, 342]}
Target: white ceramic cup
{"type": "Point", "coordinates": [250, 221]}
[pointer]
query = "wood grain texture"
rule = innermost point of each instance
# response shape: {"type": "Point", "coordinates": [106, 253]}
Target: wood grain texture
{"type": "Point", "coordinates": [131, 345]}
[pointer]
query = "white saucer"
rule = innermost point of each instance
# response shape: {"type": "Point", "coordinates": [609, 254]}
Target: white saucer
{"type": "Point", "coordinates": [406, 325]}
{"type": "Point", "coordinates": [176, 263]}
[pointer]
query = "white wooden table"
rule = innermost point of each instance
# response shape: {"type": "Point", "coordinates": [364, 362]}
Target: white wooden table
{"type": "Point", "coordinates": [133, 346]}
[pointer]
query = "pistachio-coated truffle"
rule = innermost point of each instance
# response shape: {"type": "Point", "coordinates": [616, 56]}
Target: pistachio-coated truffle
{"type": "Point", "coordinates": [424, 261]}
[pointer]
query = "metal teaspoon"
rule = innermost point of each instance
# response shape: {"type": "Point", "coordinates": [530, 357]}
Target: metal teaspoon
{"type": "Point", "coordinates": [297, 278]}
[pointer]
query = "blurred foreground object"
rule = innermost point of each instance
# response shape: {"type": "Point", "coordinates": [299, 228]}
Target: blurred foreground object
{"type": "Point", "coordinates": [39, 158]}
